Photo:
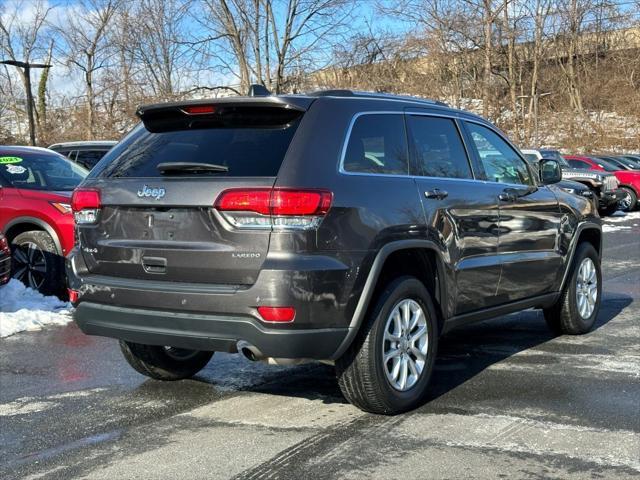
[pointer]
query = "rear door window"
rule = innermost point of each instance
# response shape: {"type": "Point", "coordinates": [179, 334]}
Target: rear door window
{"type": "Point", "coordinates": [438, 148]}
{"type": "Point", "coordinates": [249, 144]}
{"type": "Point", "coordinates": [377, 144]}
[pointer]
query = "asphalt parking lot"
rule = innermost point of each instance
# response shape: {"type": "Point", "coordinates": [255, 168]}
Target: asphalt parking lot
{"type": "Point", "coordinates": [508, 401]}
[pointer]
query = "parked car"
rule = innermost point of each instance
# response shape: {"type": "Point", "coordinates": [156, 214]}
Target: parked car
{"type": "Point", "coordinates": [86, 154]}
{"type": "Point", "coordinates": [338, 226]}
{"type": "Point", "coordinates": [623, 162]}
{"type": "Point", "coordinates": [576, 188]}
{"type": "Point", "coordinates": [5, 260]}
{"type": "Point", "coordinates": [634, 159]}
{"type": "Point", "coordinates": [604, 185]}
{"type": "Point", "coordinates": [35, 213]}
{"type": "Point", "coordinates": [629, 179]}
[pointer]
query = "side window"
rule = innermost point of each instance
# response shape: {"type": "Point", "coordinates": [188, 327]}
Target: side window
{"type": "Point", "coordinates": [579, 164]}
{"type": "Point", "coordinates": [438, 148]}
{"type": "Point", "coordinates": [378, 144]}
{"type": "Point", "coordinates": [501, 163]}
{"type": "Point", "coordinates": [89, 158]}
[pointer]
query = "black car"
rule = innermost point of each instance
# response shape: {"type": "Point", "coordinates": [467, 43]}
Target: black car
{"type": "Point", "coordinates": [86, 153]}
{"type": "Point", "coordinates": [350, 228]}
{"type": "Point", "coordinates": [5, 260]}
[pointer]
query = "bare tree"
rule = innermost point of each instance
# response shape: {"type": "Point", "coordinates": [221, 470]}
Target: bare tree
{"type": "Point", "coordinates": [265, 41]}
{"type": "Point", "coordinates": [156, 39]}
{"type": "Point", "coordinates": [86, 46]}
{"type": "Point", "coordinates": [21, 40]}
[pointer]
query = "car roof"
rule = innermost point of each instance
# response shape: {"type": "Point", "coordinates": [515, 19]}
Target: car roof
{"type": "Point", "coordinates": [4, 149]}
{"type": "Point", "coordinates": [303, 101]}
{"type": "Point", "coordinates": [86, 143]}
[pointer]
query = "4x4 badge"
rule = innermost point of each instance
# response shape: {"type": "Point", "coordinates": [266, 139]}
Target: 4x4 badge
{"type": "Point", "coordinates": [156, 193]}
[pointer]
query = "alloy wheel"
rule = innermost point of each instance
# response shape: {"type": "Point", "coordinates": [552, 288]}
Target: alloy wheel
{"type": "Point", "coordinates": [625, 202]}
{"type": "Point", "coordinates": [405, 345]}
{"type": "Point", "coordinates": [586, 288]}
{"type": "Point", "coordinates": [29, 265]}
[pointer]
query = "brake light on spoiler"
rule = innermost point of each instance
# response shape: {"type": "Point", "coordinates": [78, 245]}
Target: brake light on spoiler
{"type": "Point", "coordinates": [277, 208]}
{"type": "Point", "coordinates": [86, 204]}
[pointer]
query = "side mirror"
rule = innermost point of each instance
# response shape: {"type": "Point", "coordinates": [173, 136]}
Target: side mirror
{"type": "Point", "coordinates": [550, 171]}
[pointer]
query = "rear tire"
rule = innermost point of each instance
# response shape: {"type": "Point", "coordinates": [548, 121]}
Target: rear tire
{"type": "Point", "coordinates": [366, 380]}
{"type": "Point", "coordinates": [36, 263]}
{"type": "Point", "coordinates": [164, 363]}
{"type": "Point", "coordinates": [567, 316]}
{"type": "Point", "coordinates": [630, 201]}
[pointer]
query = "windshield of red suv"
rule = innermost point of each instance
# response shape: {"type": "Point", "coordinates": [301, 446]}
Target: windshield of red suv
{"type": "Point", "coordinates": [40, 171]}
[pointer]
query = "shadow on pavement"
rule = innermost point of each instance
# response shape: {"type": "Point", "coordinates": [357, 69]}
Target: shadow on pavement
{"type": "Point", "coordinates": [462, 354]}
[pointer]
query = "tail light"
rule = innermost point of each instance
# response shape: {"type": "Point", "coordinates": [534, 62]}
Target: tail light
{"type": "Point", "coordinates": [86, 204]}
{"type": "Point", "coordinates": [277, 314]}
{"type": "Point", "coordinates": [74, 296]}
{"type": "Point", "coordinates": [278, 208]}
{"type": "Point", "coordinates": [4, 246]}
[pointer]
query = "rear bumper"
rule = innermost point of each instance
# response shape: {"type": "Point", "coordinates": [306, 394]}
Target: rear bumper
{"type": "Point", "coordinates": [216, 317]}
{"type": "Point", "coordinates": [205, 332]}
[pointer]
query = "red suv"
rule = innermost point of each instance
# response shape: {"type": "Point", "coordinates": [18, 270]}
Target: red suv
{"type": "Point", "coordinates": [35, 213]}
{"type": "Point", "coordinates": [629, 179]}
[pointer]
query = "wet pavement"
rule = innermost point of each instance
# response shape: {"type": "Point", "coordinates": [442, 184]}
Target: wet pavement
{"type": "Point", "coordinates": [508, 400]}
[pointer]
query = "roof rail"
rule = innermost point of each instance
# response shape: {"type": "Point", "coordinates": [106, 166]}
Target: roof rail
{"type": "Point", "coordinates": [390, 96]}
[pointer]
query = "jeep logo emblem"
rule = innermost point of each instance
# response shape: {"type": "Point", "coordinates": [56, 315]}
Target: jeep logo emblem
{"type": "Point", "coordinates": [148, 191]}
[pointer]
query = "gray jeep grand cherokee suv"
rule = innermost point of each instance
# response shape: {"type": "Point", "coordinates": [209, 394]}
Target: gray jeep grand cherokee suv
{"type": "Point", "coordinates": [346, 227]}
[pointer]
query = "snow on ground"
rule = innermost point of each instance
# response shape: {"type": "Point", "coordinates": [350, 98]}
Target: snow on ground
{"type": "Point", "coordinates": [621, 217]}
{"type": "Point", "coordinates": [22, 308]}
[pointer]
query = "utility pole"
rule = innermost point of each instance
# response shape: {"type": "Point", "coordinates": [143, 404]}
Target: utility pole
{"type": "Point", "coordinates": [26, 75]}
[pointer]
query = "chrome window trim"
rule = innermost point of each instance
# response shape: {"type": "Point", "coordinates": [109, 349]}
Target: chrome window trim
{"type": "Point", "coordinates": [345, 145]}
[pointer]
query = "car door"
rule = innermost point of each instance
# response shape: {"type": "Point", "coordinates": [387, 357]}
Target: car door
{"type": "Point", "coordinates": [461, 212]}
{"type": "Point", "coordinates": [530, 218]}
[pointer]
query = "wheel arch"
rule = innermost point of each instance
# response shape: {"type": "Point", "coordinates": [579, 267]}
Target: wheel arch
{"type": "Point", "coordinates": [408, 257]}
{"type": "Point", "coordinates": [25, 224]}
{"type": "Point", "coordinates": [586, 232]}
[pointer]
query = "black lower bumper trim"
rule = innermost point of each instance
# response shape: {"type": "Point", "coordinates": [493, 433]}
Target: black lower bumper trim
{"type": "Point", "coordinates": [205, 332]}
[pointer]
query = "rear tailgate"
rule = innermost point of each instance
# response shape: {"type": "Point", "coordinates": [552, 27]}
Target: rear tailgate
{"type": "Point", "coordinates": [155, 225]}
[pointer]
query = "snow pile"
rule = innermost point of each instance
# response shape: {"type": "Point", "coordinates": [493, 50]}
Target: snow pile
{"type": "Point", "coordinates": [22, 308]}
{"type": "Point", "coordinates": [620, 216]}
{"type": "Point", "coordinates": [614, 228]}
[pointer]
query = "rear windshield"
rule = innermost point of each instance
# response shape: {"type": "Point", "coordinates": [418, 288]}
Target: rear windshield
{"type": "Point", "coordinates": [246, 149]}
{"type": "Point", "coordinates": [40, 171]}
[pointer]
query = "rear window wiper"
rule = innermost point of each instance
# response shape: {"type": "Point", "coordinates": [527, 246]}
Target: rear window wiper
{"type": "Point", "coordinates": [190, 167]}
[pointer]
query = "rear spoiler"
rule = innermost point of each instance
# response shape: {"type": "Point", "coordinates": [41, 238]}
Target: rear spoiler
{"type": "Point", "coordinates": [268, 111]}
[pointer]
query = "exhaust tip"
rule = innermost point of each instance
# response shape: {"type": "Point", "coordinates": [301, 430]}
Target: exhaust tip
{"type": "Point", "coordinates": [249, 351]}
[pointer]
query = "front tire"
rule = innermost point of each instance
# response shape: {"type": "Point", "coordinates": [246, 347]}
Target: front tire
{"type": "Point", "coordinates": [164, 363]}
{"type": "Point", "coordinates": [36, 263]}
{"type": "Point", "coordinates": [577, 308]}
{"type": "Point", "coordinates": [630, 200]}
{"type": "Point", "coordinates": [388, 367]}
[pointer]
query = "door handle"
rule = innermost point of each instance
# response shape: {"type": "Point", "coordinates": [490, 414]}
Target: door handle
{"type": "Point", "coordinates": [436, 193]}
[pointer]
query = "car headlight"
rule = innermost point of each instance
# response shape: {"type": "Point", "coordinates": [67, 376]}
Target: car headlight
{"type": "Point", "coordinates": [63, 208]}
{"type": "Point", "coordinates": [570, 190]}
